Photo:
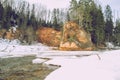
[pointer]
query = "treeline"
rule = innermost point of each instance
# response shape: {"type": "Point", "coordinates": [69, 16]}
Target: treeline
{"type": "Point", "coordinates": [87, 13]}
{"type": "Point", "coordinates": [99, 23]}
{"type": "Point", "coordinates": [23, 14]}
{"type": "Point", "coordinates": [27, 19]}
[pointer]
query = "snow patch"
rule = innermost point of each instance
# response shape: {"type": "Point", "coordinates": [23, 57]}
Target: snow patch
{"type": "Point", "coordinates": [80, 73]}
{"type": "Point", "coordinates": [87, 68]}
{"type": "Point", "coordinates": [15, 49]}
{"type": "Point", "coordinates": [110, 45]}
{"type": "Point", "coordinates": [38, 61]}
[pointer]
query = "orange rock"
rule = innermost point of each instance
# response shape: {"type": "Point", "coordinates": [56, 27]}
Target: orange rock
{"type": "Point", "coordinates": [72, 38]}
{"type": "Point", "coordinates": [75, 38]}
{"type": "Point", "coordinates": [68, 46]}
{"type": "Point", "coordinates": [49, 36]}
{"type": "Point", "coordinates": [9, 36]}
{"type": "Point", "coordinates": [73, 47]}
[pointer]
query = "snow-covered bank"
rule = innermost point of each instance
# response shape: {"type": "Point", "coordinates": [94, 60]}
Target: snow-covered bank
{"type": "Point", "coordinates": [106, 66]}
{"type": "Point", "coordinates": [15, 49]}
{"type": "Point", "coordinates": [87, 68]}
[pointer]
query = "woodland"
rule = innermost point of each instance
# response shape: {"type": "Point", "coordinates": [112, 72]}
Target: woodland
{"type": "Point", "coordinates": [88, 14]}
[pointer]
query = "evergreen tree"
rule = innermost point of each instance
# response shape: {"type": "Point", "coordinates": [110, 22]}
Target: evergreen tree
{"type": "Point", "coordinates": [7, 16]}
{"type": "Point", "coordinates": [68, 16]}
{"type": "Point", "coordinates": [117, 27]}
{"type": "Point", "coordinates": [89, 15]}
{"type": "Point", "coordinates": [22, 22]}
{"type": "Point", "coordinates": [117, 33]}
{"type": "Point", "coordinates": [33, 19]}
{"type": "Point", "coordinates": [56, 19]}
{"type": "Point", "coordinates": [1, 11]}
{"type": "Point", "coordinates": [1, 15]}
{"type": "Point", "coordinates": [75, 15]}
{"type": "Point", "coordinates": [108, 24]}
{"type": "Point", "coordinates": [98, 25]}
{"type": "Point", "coordinates": [80, 12]}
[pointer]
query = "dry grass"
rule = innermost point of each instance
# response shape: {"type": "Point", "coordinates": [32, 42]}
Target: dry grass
{"type": "Point", "coordinates": [22, 69]}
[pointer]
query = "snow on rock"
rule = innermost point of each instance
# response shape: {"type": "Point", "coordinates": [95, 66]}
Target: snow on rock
{"type": "Point", "coordinates": [110, 45]}
{"type": "Point", "coordinates": [87, 68]}
{"type": "Point", "coordinates": [38, 61]}
{"type": "Point", "coordinates": [15, 42]}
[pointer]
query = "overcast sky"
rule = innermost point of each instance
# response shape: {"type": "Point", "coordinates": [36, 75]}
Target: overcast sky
{"type": "Point", "coordinates": [50, 4]}
{"type": "Point", "coordinates": [115, 4]}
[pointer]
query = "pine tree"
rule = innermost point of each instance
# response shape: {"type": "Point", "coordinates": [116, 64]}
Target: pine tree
{"type": "Point", "coordinates": [1, 15]}
{"type": "Point", "coordinates": [22, 22]}
{"type": "Point", "coordinates": [7, 16]}
{"type": "Point", "coordinates": [74, 11]}
{"type": "Point", "coordinates": [89, 15]}
{"type": "Point", "coordinates": [1, 11]}
{"type": "Point", "coordinates": [56, 19]}
{"type": "Point", "coordinates": [98, 25]}
{"type": "Point", "coordinates": [32, 18]}
{"type": "Point", "coordinates": [117, 32]}
{"type": "Point", "coordinates": [68, 16]}
{"type": "Point", "coordinates": [108, 24]}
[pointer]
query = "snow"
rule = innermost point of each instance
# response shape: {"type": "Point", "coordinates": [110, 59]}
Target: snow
{"type": "Point", "coordinates": [36, 61]}
{"type": "Point", "coordinates": [74, 65]}
{"type": "Point", "coordinates": [87, 68]}
{"type": "Point", "coordinates": [110, 45]}
{"type": "Point", "coordinates": [15, 49]}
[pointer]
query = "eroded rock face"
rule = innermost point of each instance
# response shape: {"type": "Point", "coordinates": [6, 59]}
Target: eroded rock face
{"type": "Point", "coordinates": [75, 38]}
{"type": "Point", "coordinates": [49, 36]}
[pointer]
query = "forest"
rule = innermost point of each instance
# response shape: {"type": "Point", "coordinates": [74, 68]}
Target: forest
{"type": "Point", "coordinates": [87, 13]}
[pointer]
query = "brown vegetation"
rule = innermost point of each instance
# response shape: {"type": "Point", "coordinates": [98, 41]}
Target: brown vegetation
{"type": "Point", "coordinates": [28, 35]}
{"type": "Point", "coordinates": [24, 35]}
{"type": "Point", "coordinates": [10, 34]}
{"type": "Point", "coordinates": [2, 32]}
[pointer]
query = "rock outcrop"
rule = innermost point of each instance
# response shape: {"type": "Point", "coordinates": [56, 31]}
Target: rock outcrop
{"type": "Point", "coordinates": [49, 36]}
{"type": "Point", "coordinates": [73, 37]}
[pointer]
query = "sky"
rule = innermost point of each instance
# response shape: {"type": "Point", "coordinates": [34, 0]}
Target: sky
{"type": "Point", "coordinates": [65, 3]}
{"type": "Point", "coordinates": [115, 6]}
{"type": "Point", "coordinates": [50, 4]}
